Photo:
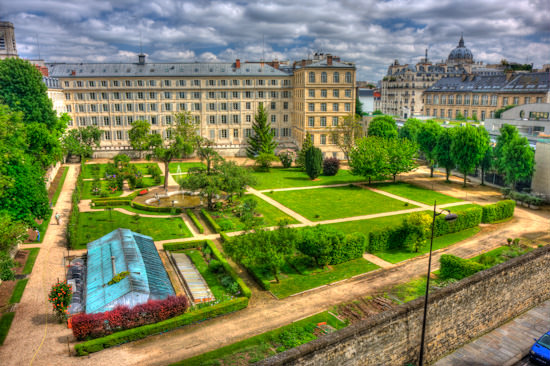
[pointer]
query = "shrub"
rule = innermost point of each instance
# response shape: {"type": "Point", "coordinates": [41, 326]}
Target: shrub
{"type": "Point", "coordinates": [314, 161]}
{"type": "Point", "coordinates": [295, 336]}
{"type": "Point", "coordinates": [213, 224]}
{"type": "Point", "coordinates": [6, 265]}
{"type": "Point", "coordinates": [331, 166]}
{"type": "Point", "coordinates": [457, 268]}
{"type": "Point", "coordinates": [215, 266]}
{"type": "Point", "coordinates": [87, 326]}
{"type": "Point", "coordinates": [498, 211]}
{"type": "Point", "coordinates": [387, 238]}
{"type": "Point", "coordinates": [287, 157]}
{"type": "Point", "coordinates": [225, 224]}
{"type": "Point", "coordinates": [330, 246]}
{"type": "Point", "coordinates": [468, 218]}
{"type": "Point", "coordinates": [195, 220]}
{"type": "Point", "coordinates": [60, 297]}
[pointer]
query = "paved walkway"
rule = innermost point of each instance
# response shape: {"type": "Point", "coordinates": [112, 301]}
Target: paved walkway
{"type": "Point", "coordinates": [505, 345]}
{"type": "Point", "coordinates": [281, 207]}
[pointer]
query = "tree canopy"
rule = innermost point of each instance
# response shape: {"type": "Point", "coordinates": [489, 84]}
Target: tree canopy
{"type": "Point", "coordinates": [346, 133]}
{"type": "Point", "coordinates": [518, 160]}
{"type": "Point", "coordinates": [427, 141]}
{"type": "Point", "coordinates": [468, 148]}
{"type": "Point", "coordinates": [401, 156]}
{"type": "Point", "coordinates": [81, 141]}
{"type": "Point", "coordinates": [262, 140]}
{"type": "Point", "coordinates": [383, 126]}
{"type": "Point", "coordinates": [443, 151]}
{"type": "Point", "coordinates": [369, 158]}
{"type": "Point", "coordinates": [410, 129]}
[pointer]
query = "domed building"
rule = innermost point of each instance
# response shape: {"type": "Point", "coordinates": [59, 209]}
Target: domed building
{"type": "Point", "coordinates": [460, 55]}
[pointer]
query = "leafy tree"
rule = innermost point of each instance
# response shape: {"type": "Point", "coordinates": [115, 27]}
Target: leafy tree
{"type": "Point", "coordinates": [6, 267]}
{"type": "Point", "coordinates": [499, 111]}
{"type": "Point", "coordinates": [11, 232]}
{"type": "Point", "coordinates": [209, 185]}
{"type": "Point", "coordinates": [247, 214]}
{"type": "Point", "coordinates": [81, 141]}
{"type": "Point", "coordinates": [507, 134]}
{"type": "Point", "coordinates": [369, 158]}
{"type": "Point", "coordinates": [383, 126]}
{"type": "Point", "coordinates": [301, 158]}
{"type": "Point", "coordinates": [347, 132]}
{"type": "Point", "coordinates": [262, 140]}
{"type": "Point", "coordinates": [401, 156]}
{"type": "Point", "coordinates": [518, 161]}
{"type": "Point", "coordinates": [207, 153]}
{"type": "Point", "coordinates": [314, 162]}
{"type": "Point", "coordinates": [443, 151]}
{"type": "Point", "coordinates": [427, 140]}
{"type": "Point", "coordinates": [318, 242]}
{"type": "Point", "coordinates": [410, 129]}
{"type": "Point", "coordinates": [234, 178]}
{"type": "Point", "coordinates": [377, 112]}
{"type": "Point", "coordinates": [417, 226]}
{"type": "Point", "coordinates": [486, 162]}
{"type": "Point", "coordinates": [468, 148]}
{"type": "Point", "coordinates": [139, 135]}
{"type": "Point", "coordinates": [264, 161]}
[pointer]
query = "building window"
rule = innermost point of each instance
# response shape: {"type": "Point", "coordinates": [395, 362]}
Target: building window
{"type": "Point", "coordinates": [348, 93]}
{"type": "Point", "coordinates": [223, 134]}
{"type": "Point", "coordinates": [275, 132]}
{"type": "Point", "coordinates": [428, 99]}
{"type": "Point", "coordinates": [152, 82]}
{"type": "Point", "coordinates": [248, 118]}
{"type": "Point", "coordinates": [484, 100]}
{"type": "Point", "coordinates": [196, 83]}
{"type": "Point", "coordinates": [443, 100]}
{"type": "Point", "coordinates": [261, 82]}
{"type": "Point", "coordinates": [79, 84]}
{"type": "Point", "coordinates": [211, 95]}
{"type": "Point", "coordinates": [311, 122]}
{"type": "Point", "coordinates": [168, 120]}
{"type": "Point", "coordinates": [449, 114]}
{"type": "Point", "coordinates": [223, 106]}
{"type": "Point", "coordinates": [323, 107]}
{"type": "Point", "coordinates": [347, 107]}
{"type": "Point", "coordinates": [348, 77]}
{"type": "Point", "coordinates": [527, 100]}
{"type": "Point", "coordinates": [311, 77]}
{"type": "Point", "coordinates": [323, 139]}
{"type": "Point", "coordinates": [465, 113]}
{"type": "Point", "coordinates": [224, 119]}
{"type": "Point", "coordinates": [323, 93]}
{"type": "Point", "coordinates": [436, 99]}
{"type": "Point", "coordinates": [467, 99]}
{"type": "Point", "coordinates": [334, 121]}
{"type": "Point", "coordinates": [273, 118]}
{"type": "Point", "coordinates": [212, 134]}
{"type": "Point", "coordinates": [459, 99]}
{"type": "Point", "coordinates": [539, 99]}
{"type": "Point", "coordinates": [248, 132]}
{"type": "Point", "coordinates": [311, 93]}
{"type": "Point", "coordinates": [336, 93]}
{"type": "Point", "coordinates": [311, 107]}
{"type": "Point", "coordinates": [212, 120]}
{"type": "Point", "coordinates": [152, 95]}
{"type": "Point", "coordinates": [492, 114]}
{"type": "Point", "coordinates": [236, 119]}
{"type": "Point", "coordinates": [167, 95]}
{"type": "Point", "coordinates": [336, 77]}
{"type": "Point", "coordinates": [106, 135]}
{"type": "Point", "coordinates": [451, 99]}
{"type": "Point", "coordinates": [118, 135]}
{"type": "Point", "coordinates": [128, 82]}
{"type": "Point", "coordinates": [130, 120]}
{"type": "Point", "coordinates": [235, 133]}
{"type": "Point", "coordinates": [167, 106]}
{"type": "Point", "coordinates": [335, 107]}
{"type": "Point", "coordinates": [285, 132]}
{"type": "Point", "coordinates": [285, 118]}
{"type": "Point", "coordinates": [323, 77]}
{"type": "Point", "coordinates": [273, 105]}
{"type": "Point", "coordinates": [323, 122]}
{"type": "Point", "coordinates": [285, 105]}
{"type": "Point", "coordinates": [494, 99]}
{"type": "Point", "coordinates": [516, 100]}
{"type": "Point", "coordinates": [248, 105]}
{"type": "Point", "coordinates": [118, 121]}
{"type": "Point", "coordinates": [128, 107]}
{"type": "Point", "coordinates": [483, 115]}
{"type": "Point", "coordinates": [153, 120]}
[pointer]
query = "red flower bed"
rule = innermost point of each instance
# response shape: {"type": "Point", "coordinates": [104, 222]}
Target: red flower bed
{"type": "Point", "coordinates": [143, 192]}
{"type": "Point", "coordinates": [87, 326]}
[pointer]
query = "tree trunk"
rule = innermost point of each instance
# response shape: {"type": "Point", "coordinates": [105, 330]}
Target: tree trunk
{"type": "Point", "coordinates": [394, 178]}
{"type": "Point", "coordinates": [275, 274]}
{"type": "Point", "coordinates": [482, 176]}
{"type": "Point", "coordinates": [465, 174]}
{"type": "Point", "coordinates": [447, 172]}
{"type": "Point", "coordinates": [431, 171]}
{"type": "Point", "coordinates": [369, 181]}
{"type": "Point", "coordinates": [166, 174]}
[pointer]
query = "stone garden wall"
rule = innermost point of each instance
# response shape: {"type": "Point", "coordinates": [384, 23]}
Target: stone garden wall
{"type": "Point", "coordinates": [456, 314]}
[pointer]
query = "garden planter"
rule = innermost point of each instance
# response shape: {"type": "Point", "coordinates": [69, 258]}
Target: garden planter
{"type": "Point", "coordinates": [534, 207]}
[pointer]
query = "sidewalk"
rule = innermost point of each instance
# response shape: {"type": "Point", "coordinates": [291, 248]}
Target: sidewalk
{"type": "Point", "coordinates": [505, 345]}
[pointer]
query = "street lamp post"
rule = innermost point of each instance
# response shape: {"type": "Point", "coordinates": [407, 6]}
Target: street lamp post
{"type": "Point", "coordinates": [448, 217]}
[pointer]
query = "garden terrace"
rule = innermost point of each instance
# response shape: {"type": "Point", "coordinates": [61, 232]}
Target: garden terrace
{"type": "Point", "coordinates": [88, 170]}
{"type": "Point", "coordinates": [338, 202]}
{"type": "Point", "coordinates": [294, 177]}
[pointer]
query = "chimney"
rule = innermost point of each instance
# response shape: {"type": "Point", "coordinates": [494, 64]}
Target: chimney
{"type": "Point", "coordinates": [113, 264]}
{"type": "Point", "coordinates": [73, 72]}
{"type": "Point", "coordinates": [329, 59]}
{"type": "Point", "coordinates": [303, 63]}
{"type": "Point", "coordinates": [276, 64]}
{"type": "Point", "coordinates": [509, 74]}
{"type": "Point", "coordinates": [237, 63]}
{"type": "Point", "coordinates": [141, 59]}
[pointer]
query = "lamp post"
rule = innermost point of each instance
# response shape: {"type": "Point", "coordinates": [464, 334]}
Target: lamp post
{"type": "Point", "coordinates": [448, 217]}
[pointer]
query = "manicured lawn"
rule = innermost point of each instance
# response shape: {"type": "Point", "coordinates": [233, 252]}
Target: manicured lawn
{"type": "Point", "coordinates": [60, 185]}
{"type": "Point", "coordinates": [415, 193]}
{"type": "Point", "coordinates": [5, 324]}
{"type": "Point", "coordinates": [264, 345]}
{"type": "Point", "coordinates": [300, 273]}
{"type": "Point", "coordinates": [31, 259]}
{"type": "Point", "coordinates": [87, 172]}
{"type": "Point", "coordinates": [135, 210]}
{"type": "Point", "coordinates": [333, 203]}
{"type": "Point", "coordinates": [94, 225]}
{"type": "Point", "coordinates": [294, 177]}
{"type": "Point", "coordinates": [184, 167]}
{"type": "Point", "coordinates": [366, 226]}
{"type": "Point", "coordinates": [270, 215]}
{"type": "Point", "coordinates": [219, 292]}
{"type": "Point", "coordinates": [398, 255]}
{"type": "Point", "coordinates": [87, 188]}
{"type": "Point", "coordinates": [18, 291]}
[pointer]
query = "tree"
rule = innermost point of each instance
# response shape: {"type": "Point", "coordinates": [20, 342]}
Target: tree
{"type": "Point", "coordinates": [11, 232]}
{"type": "Point", "coordinates": [499, 111]}
{"type": "Point", "coordinates": [401, 156]}
{"type": "Point", "coordinates": [314, 162]}
{"type": "Point", "coordinates": [507, 134]}
{"type": "Point", "coordinates": [347, 132]}
{"type": "Point", "coordinates": [301, 158]}
{"type": "Point", "coordinates": [318, 242]}
{"type": "Point", "coordinates": [518, 161]}
{"type": "Point", "coordinates": [234, 178]}
{"type": "Point", "coordinates": [264, 161]}
{"type": "Point", "coordinates": [468, 147]}
{"type": "Point", "coordinates": [383, 126]}
{"type": "Point", "coordinates": [207, 153]}
{"type": "Point", "coordinates": [417, 226]}
{"type": "Point", "coordinates": [427, 140]}
{"type": "Point", "coordinates": [486, 162]}
{"type": "Point", "coordinates": [369, 158]}
{"type": "Point", "coordinates": [81, 141]}
{"type": "Point", "coordinates": [139, 135]}
{"type": "Point", "coordinates": [262, 140]}
{"type": "Point", "coordinates": [443, 151]}
{"type": "Point", "coordinates": [209, 185]}
{"type": "Point", "coordinates": [410, 129]}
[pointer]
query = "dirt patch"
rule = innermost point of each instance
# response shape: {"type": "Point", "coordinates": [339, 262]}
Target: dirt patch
{"type": "Point", "coordinates": [364, 308]}
{"type": "Point", "coordinates": [6, 288]}
{"type": "Point", "coordinates": [55, 183]}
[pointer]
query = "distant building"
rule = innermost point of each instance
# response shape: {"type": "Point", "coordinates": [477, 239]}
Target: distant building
{"type": "Point", "coordinates": [531, 120]}
{"type": "Point", "coordinates": [366, 97]}
{"type": "Point", "coordinates": [7, 41]}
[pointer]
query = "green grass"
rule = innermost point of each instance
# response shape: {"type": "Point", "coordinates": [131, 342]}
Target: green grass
{"type": "Point", "coordinates": [415, 193]}
{"type": "Point", "coordinates": [135, 210]}
{"type": "Point", "coordinates": [94, 225]}
{"type": "Point", "coordinates": [398, 255]}
{"type": "Point", "coordinates": [211, 279]}
{"type": "Point", "coordinates": [43, 227]}
{"type": "Point", "coordinates": [258, 347]}
{"type": "Point", "coordinates": [333, 203]}
{"type": "Point", "coordinates": [271, 215]}
{"type": "Point", "coordinates": [18, 291]}
{"type": "Point", "coordinates": [369, 225]}
{"type": "Point", "coordinates": [87, 172]}
{"type": "Point", "coordinates": [408, 291]}
{"type": "Point", "coordinates": [5, 324]}
{"type": "Point", "coordinates": [301, 273]}
{"type": "Point", "coordinates": [60, 186]}
{"type": "Point", "coordinates": [501, 255]}
{"type": "Point", "coordinates": [173, 167]}
{"type": "Point", "coordinates": [294, 177]}
{"type": "Point", "coordinates": [31, 259]}
{"type": "Point", "coordinates": [87, 190]}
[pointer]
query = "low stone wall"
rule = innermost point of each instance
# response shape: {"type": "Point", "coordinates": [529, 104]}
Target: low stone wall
{"type": "Point", "coordinates": [456, 315]}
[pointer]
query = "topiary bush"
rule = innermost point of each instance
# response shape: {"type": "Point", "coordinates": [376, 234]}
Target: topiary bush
{"type": "Point", "coordinates": [498, 211]}
{"type": "Point", "coordinates": [467, 219]}
{"type": "Point", "coordinates": [313, 161]}
{"type": "Point", "coordinates": [457, 268]}
{"type": "Point", "coordinates": [331, 166]}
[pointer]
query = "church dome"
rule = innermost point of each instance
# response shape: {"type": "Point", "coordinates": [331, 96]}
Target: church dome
{"type": "Point", "coordinates": [461, 53]}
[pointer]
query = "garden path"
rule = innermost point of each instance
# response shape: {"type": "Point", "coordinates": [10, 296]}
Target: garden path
{"type": "Point", "coordinates": [34, 335]}
{"type": "Point", "coordinates": [308, 187]}
{"type": "Point", "coordinates": [281, 207]}
{"type": "Point", "coordinates": [378, 261]}
{"type": "Point", "coordinates": [394, 196]}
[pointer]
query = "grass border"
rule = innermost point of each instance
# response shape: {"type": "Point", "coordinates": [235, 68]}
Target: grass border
{"type": "Point", "coordinates": [195, 220]}
{"type": "Point", "coordinates": [31, 259]}
{"type": "Point", "coordinates": [59, 187]}
{"type": "Point", "coordinates": [17, 293]}
{"type": "Point", "coordinates": [5, 324]}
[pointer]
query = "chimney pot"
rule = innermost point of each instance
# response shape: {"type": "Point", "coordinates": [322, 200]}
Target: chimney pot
{"type": "Point", "coordinates": [237, 63]}
{"type": "Point", "coordinates": [329, 59]}
{"type": "Point", "coordinates": [73, 72]}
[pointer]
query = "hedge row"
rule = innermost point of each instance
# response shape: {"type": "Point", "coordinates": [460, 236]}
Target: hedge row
{"type": "Point", "coordinates": [265, 284]}
{"type": "Point", "coordinates": [224, 237]}
{"type": "Point", "coordinates": [84, 348]}
{"type": "Point", "coordinates": [387, 238]}
{"type": "Point", "coordinates": [213, 224]}
{"type": "Point", "coordinates": [498, 211]}
{"type": "Point", "coordinates": [195, 220]}
{"type": "Point", "coordinates": [143, 207]}
{"type": "Point", "coordinates": [74, 214]}
{"type": "Point", "coordinates": [217, 255]}
{"type": "Point", "coordinates": [109, 203]}
{"type": "Point", "coordinates": [457, 268]}
{"type": "Point", "coordinates": [466, 219]}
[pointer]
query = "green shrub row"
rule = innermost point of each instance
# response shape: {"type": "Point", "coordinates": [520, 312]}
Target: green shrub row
{"type": "Point", "coordinates": [109, 203]}
{"type": "Point", "coordinates": [498, 211]}
{"type": "Point", "coordinates": [143, 207]}
{"type": "Point", "coordinates": [213, 224]}
{"type": "Point", "coordinates": [457, 268]}
{"type": "Point", "coordinates": [224, 237]}
{"type": "Point", "coordinates": [195, 220]}
{"type": "Point", "coordinates": [387, 238]}
{"type": "Point", "coordinates": [134, 334]}
{"type": "Point", "coordinates": [265, 284]}
{"type": "Point", "coordinates": [467, 219]}
{"type": "Point", "coordinates": [74, 214]}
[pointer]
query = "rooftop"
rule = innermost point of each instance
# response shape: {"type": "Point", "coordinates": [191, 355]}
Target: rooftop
{"type": "Point", "coordinates": [524, 82]}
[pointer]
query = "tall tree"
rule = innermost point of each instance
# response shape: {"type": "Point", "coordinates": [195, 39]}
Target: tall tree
{"type": "Point", "coordinates": [369, 158]}
{"type": "Point", "coordinates": [383, 126]}
{"type": "Point", "coordinates": [207, 153]}
{"type": "Point", "coordinates": [401, 156]}
{"type": "Point", "coordinates": [427, 140]}
{"type": "Point", "coordinates": [468, 148]}
{"type": "Point", "coordinates": [518, 161]}
{"type": "Point", "coordinates": [443, 151]}
{"type": "Point", "coordinates": [81, 141]}
{"type": "Point", "coordinates": [507, 134]}
{"type": "Point", "coordinates": [410, 129]}
{"type": "Point", "coordinates": [301, 157]}
{"type": "Point", "coordinates": [486, 162]}
{"type": "Point", "coordinates": [314, 162]}
{"type": "Point", "coordinates": [262, 140]}
{"type": "Point", "coordinates": [346, 133]}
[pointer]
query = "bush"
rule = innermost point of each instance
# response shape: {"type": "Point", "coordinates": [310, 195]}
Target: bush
{"type": "Point", "coordinates": [215, 266]}
{"type": "Point", "coordinates": [467, 219]}
{"type": "Point", "coordinates": [109, 203]}
{"type": "Point", "coordinates": [87, 326]}
{"type": "Point", "coordinates": [457, 268]}
{"type": "Point", "coordinates": [330, 246]}
{"type": "Point", "coordinates": [225, 224]}
{"type": "Point", "coordinates": [498, 211]}
{"type": "Point", "coordinates": [387, 238]}
{"type": "Point", "coordinates": [313, 161]}
{"type": "Point", "coordinates": [287, 157]}
{"type": "Point", "coordinates": [295, 336]}
{"type": "Point", "coordinates": [331, 166]}
{"type": "Point", "coordinates": [195, 220]}
{"type": "Point", "coordinates": [143, 207]}
{"type": "Point", "coordinates": [213, 224]}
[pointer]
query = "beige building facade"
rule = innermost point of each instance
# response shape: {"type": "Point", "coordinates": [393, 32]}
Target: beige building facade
{"type": "Point", "coordinates": [8, 47]}
{"type": "Point", "coordinates": [223, 97]}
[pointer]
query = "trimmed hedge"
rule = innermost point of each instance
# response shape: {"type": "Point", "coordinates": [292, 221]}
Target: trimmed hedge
{"type": "Point", "coordinates": [84, 348]}
{"type": "Point", "coordinates": [108, 203]}
{"type": "Point", "coordinates": [213, 224]}
{"type": "Point", "coordinates": [122, 198]}
{"type": "Point", "coordinates": [195, 220]}
{"type": "Point", "coordinates": [224, 237]}
{"type": "Point", "coordinates": [143, 207]}
{"type": "Point", "coordinates": [498, 211]}
{"type": "Point", "coordinates": [74, 214]}
{"type": "Point", "coordinates": [384, 239]}
{"type": "Point", "coordinates": [467, 219]}
{"type": "Point", "coordinates": [266, 285]}
{"type": "Point", "coordinates": [457, 268]}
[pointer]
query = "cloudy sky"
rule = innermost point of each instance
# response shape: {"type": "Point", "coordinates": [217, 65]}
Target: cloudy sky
{"type": "Point", "coordinates": [370, 33]}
